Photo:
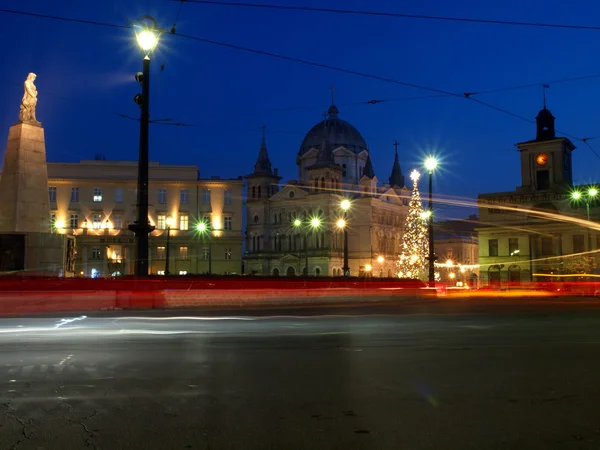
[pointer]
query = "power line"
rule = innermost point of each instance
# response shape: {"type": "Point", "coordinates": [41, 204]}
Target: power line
{"type": "Point", "coordinates": [523, 86]}
{"type": "Point", "coordinates": [293, 59]}
{"type": "Point", "coordinates": [397, 15]}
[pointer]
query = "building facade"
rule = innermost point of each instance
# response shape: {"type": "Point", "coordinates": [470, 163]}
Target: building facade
{"type": "Point", "coordinates": [539, 229]}
{"type": "Point", "coordinates": [95, 201]}
{"type": "Point", "coordinates": [457, 249]}
{"type": "Point", "coordinates": [294, 228]}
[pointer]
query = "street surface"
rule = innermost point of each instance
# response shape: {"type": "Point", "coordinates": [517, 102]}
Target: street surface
{"type": "Point", "coordinates": [431, 376]}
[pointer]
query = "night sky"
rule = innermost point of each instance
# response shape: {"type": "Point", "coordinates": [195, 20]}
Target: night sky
{"type": "Point", "coordinates": [85, 78]}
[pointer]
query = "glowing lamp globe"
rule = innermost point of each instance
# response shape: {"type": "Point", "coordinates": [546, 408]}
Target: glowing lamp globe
{"type": "Point", "coordinates": [593, 192]}
{"type": "Point", "coordinates": [315, 222]}
{"type": "Point", "coordinates": [380, 259]}
{"type": "Point", "coordinates": [341, 223]}
{"type": "Point", "coordinates": [345, 204]}
{"type": "Point", "coordinates": [201, 227]}
{"type": "Point", "coordinates": [431, 164]}
{"type": "Point", "coordinates": [297, 222]}
{"type": "Point", "coordinates": [576, 195]}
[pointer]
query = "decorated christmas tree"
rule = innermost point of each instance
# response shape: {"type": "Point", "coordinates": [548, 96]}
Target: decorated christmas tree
{"type": "Point", "coordinates": [415, 245]}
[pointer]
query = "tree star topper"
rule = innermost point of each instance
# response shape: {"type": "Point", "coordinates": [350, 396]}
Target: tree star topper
{"type": "Point", "coordinates": [415, 175]}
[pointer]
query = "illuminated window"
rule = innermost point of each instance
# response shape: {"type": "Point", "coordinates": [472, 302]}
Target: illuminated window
{"type": "Point", "coordinates": [160, 272]}
{"type": "Point", "coordinates": [97, 195]}
{"type": "Point", "coordinates": [118, 195]}
{"type": "Point", "coordinates": [227, 223]}
{"type": "Point", "coordinates": [228, 253]}
{"type": "Point", "coordinates": [228, 197]}
{"type": "Point", "coordinates": [183, 222]}
{"type": "Point", "coordinates": [183, 272]}
{"type": "Point", "coordinates": [184, 196]}
{"type": "Point", "coordinates": [52, 194]}
{"type": "Point", "coordinates": [118, 222]}
{"type": "Point", "coordinates": [513, 246]}
{"type": "Point", "coordinates": [206, 196]}
{"type": "Point", "coordinates": [160, 252]}
{"type": "Point", "coordinates": [96, 253]}
{"type": "Point", "coordinates": [161, 223]}
{"type": "Point", "coordinates": [162, 196]}
{"type": "Point", "coordinates": [74, 194]}
{"type": "Point", "coordinates": [205, 253]}
{"type": "Point", "coordinates": [97, 221]}
{"type": "Point", "coordinates": [74, 221]}
{"type": "Point", "coordinates": [183, 252]}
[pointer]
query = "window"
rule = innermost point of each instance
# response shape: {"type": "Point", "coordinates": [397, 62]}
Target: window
{"type": "Point", "coordinates": [160, 252]}
{"type": "Point", "coordinates": [183, 272]}
{"type": "Point", "coordinates": [543, 179]}
{"type": "Point", "coordinates": [228, 197]}
{"type": "Point", "coordinates": [52, 194]}
{"type": "Point", "coordinates": [97, 195]}
{"type": "Point", "coordinates": [205, 253]}
{"type": "Point", "coordinates": [206, 220]}
{"type": "Point", "coordinates": [253, 191]}
{"type": "Point", "coordinates": [578, 243]}
{"type": "Point", "coordinates": [53, 220]}
{"type": "Point", "coordinates": [206, 197]}
{"type": "Point", "coordinates": [259, 192]}
{"type": "Point", "coordinates": [547, 246]}
{"type": "Point", "coordinates": [161, 223]}
{"type": "Point", "coordinates": [493, 247]}
{"type": "Point", "coordinates": [97, 221]}
{"type": "Point", "coordinates": [96, 254]}
{"type": "Point", "coordinates": [183, 222]}
{"type": "Point", "coordinates": [227, 223]}
{"type": "Point", "coordinates": [74, 194]}
{"type": "Point", "coordinates": [183, 252]}
{"type": "Point", "coordinates": [74, 221]}
{"type": "Point", "coordinates": [162, 196]}
{"type": "Point", "coordinates": [118, 195]}
{"type": "Point", "coordinates": [228, 253]}
{"type": "Point", "coordinates": [184, 197]}
{"type": "Point", "coordinates": [513, 246]}
{"type": "Point", "coordinates": [160, 272]}
{"type": "Point", "coordinates": [118, 222]}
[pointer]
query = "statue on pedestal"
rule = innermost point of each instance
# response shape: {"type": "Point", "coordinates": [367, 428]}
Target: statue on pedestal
{"type": "Point", "coordinates": [29, 101]}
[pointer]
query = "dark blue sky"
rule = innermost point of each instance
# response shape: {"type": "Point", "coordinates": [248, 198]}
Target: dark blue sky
{"type": "Point", "coordinates": [86, 72]}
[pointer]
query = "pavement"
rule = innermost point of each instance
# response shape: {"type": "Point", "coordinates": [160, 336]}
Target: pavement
{"type": "Point", "coordinates": [437, 375]}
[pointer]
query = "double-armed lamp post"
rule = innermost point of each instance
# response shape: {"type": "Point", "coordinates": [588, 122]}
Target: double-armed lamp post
{"type": "Point", "coordinates": [147, 35]}
{"type": "Point", "coordinates": [431, 165]}
{"type": "Point", "coordinates": [587, 197]}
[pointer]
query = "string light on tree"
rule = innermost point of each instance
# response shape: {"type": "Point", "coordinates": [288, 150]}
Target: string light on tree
{"type": "Point", "coordinates": [412, 262]}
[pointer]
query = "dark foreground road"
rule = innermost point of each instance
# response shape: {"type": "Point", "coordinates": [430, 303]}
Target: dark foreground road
{"type": "Point", "coordinates": [499, 380]}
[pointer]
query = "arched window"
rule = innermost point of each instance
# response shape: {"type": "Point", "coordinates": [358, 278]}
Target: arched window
{"type": "Point", "coordinates": [279, 218]}
{"type": "Point", "coordinates": [316, 184]}
{"type": "Point", "coordinates": [259, 192]}
{"type": "Point", "coordinates": [253, 191]}
{"type": "Point", "coordinates": [275, 218]}
{"type": "Point", "coordinates": [253, 243]}
{"type": "Point", "coordinates": [275, 272]}
{"type": "Point", "coordinates": [258, 243]}
{"type": "Point", "coordinates": [317, 271]}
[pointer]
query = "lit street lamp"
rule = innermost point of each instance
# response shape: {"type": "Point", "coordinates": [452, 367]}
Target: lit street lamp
{"type": "Point", "coordinates": [204, 231]}
{"type": "Point", "coordinates": [147, 35]}
{"type": "Point", "coordinates": [298, 224]}
{"type": "Point", "coordinates": [345, 205]}
{"type": "Point", "coordinates": [168, 249]}
{"type": "Point", "coordinates": [587, 198]}
{"type": "Point", "coordinates": [430, 165]}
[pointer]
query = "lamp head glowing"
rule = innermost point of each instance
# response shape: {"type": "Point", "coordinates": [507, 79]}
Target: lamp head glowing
{"type": "Point", "coordinates": [575, 195]}
{"type": "Point", "coordinates": [59, 224]}
{"type": "Point", "coordinates": [431, 163]}
{"type": "Point", "coordinates": [593, 192]}
{"type": "Point", "coordinates": [345, 204]}
{"type": "Point", "coordinates": [202, 227]}
{"type": "Point", "coordinates": [380, 259]}
{"type": "Point", "coordinates": [315, 222]}
{"type": "Point", "coordinates": [297, 222]}
{"type": "Point", "coordinates": [169, 221]}
{"type": "Point", "coordinates": [368, 268]}
{"type": "Point", "coordinates": [147, 40]}
{"type": "Point", "coordinates": [452, 275]}
{"type": "Point", "coordinates": [147, 34]}
{"type": "Point", "coordinates": [341, 223]}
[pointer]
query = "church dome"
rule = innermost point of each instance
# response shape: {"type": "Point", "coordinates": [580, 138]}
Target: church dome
{"type": "Point", "coordinates": [339, 134]}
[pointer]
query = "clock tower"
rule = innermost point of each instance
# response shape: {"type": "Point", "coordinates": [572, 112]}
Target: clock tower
{"type": "Point", "coordinates": [546, 160]}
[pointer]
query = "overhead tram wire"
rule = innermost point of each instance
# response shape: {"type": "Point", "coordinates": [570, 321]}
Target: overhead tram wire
{"type": "Point", "coordinates": [284, 57]}
{"type": "Point", "coordinates": [396, 15]}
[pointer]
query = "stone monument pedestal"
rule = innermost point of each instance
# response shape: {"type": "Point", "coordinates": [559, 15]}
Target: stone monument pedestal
{"type": "Point", "coordinates": [27, 245]}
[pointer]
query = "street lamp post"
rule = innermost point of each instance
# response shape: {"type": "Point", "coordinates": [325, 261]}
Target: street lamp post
{"type": "Point", "coordinates": [147, 36]}
{"type": "Point", "coordinates": [345, 205]}
{"type": "Point", "coordinates": [168, 249]}
{"type": "Point", "coordinates": [203, 230]}
{"type": "Point", "coordinates": [314, 224]}
{"type": "Point", "coordinates": [430, 165]}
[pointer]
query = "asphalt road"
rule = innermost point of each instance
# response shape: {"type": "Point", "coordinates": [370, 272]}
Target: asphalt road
{"type": "Point", "coordinates": [444, 378]}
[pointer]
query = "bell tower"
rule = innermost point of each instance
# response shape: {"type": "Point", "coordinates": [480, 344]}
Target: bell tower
{"type": "Point", "coordinates": [546, 160]}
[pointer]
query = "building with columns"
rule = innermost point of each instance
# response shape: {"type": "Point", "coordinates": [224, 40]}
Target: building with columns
{"type": "Point", "coordinates": [95, 201]}
{"type": "Point", "coordinates": [293, 228]}
{"type": "Point", "coordinates": [538, 229]}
